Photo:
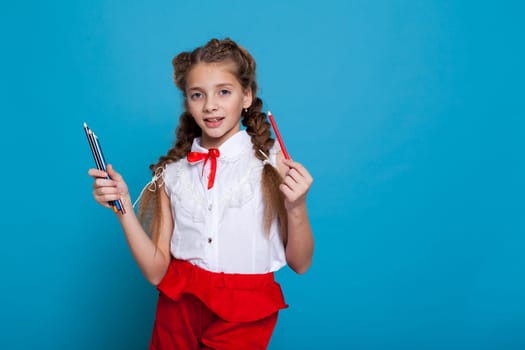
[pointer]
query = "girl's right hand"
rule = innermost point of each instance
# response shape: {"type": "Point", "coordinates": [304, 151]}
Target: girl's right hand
{"type": "Point", "coordinates": [106, 190]}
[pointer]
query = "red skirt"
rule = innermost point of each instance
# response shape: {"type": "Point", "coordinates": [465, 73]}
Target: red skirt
{"type": "Point", "coordinates": [232, 297]}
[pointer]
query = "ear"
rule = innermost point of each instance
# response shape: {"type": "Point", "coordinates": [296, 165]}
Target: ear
{"type": "Point", "coordinates": [247, 98]}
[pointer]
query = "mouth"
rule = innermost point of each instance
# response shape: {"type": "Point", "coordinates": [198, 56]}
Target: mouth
{"type": "Point", "coordinates": [213, 122]}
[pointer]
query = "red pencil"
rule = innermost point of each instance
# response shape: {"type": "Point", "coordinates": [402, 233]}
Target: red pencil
{"type": "Point", "coordinates": [278, 135]}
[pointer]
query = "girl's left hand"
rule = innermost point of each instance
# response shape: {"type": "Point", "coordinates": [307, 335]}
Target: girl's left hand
{"type": "Point", "coordinates": [296, 184]}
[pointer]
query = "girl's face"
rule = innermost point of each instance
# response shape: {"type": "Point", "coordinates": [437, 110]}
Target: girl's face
{"type": "Point", "coordinates": [215, 99]}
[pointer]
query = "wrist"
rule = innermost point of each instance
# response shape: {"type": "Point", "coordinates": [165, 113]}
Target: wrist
{"type": "Point", "coordinates": [296, 209]}
{"type": "Point", "coordinates": [125, 198]}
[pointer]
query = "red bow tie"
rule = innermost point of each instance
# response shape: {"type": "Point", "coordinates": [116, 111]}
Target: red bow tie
{"type": "Point", "coordinates": [213, 154]}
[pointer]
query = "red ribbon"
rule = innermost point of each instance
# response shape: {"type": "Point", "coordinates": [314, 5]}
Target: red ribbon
{"type": "Point", "coordinates": [213, 154]}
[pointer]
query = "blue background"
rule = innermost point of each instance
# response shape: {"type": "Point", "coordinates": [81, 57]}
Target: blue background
{"type": "Point", "coordinates": [409, 114]}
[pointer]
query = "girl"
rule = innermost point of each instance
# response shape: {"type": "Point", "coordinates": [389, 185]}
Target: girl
{"type": "Point", "coordinates": [225, 211]}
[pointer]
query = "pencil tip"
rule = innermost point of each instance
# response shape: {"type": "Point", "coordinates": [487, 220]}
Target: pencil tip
{"type": "Point", "coordinates": [269, 112]}
{"type": "Point", "coordinates": [85, 124]}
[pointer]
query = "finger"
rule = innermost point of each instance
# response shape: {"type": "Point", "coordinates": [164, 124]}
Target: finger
{"type": "Point", "coordinates": [113, 174]}
{"type": "Point", "coordinates": [96, 173]}
{"type": "Point", "coordinates": [291, 194]}
{"type": "Point", "coordinates": [302, 174]}
{"type": "Point", "coordinates": [290, 181]}
{"type": "Point", "coordinates": [291, 163]}
{"type": "Point", "coordinates": [298, 178]}
{"type": "Point", "coordinates": [297, 183]}
{"type": "Point", "coordinates": [104, 182]}
{"type": "Point", "coordinates": [295, 175]}
{"type": "Point", "coordinates": [108, 190]}
{"type": "Point", "coordinates": [108, 198]}
{"type": "Point", "coordinates": [297, 166]}
{"type": "Point", "coordinates": [287, 191]}
{"type": "Point", "coordinates": [103, 197]}
{"type": "Point", "coordinates": [294, 192]}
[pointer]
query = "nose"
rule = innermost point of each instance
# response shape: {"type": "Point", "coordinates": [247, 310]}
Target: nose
{"type": "Point", "coordinates": [210, 105]}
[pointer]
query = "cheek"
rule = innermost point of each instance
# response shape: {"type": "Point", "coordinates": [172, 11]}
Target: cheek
{"type": "Point", "coordinates": [191, 106]}
{"type": "Point", "coordinates": [241, 103]}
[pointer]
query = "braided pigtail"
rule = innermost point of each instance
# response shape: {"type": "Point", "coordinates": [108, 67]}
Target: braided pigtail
{"type": "Point", "coordinates": [149, 207]}
{"type": "Point", "coordinates": [187, 130]}
{"type": "Point", "coordinates": [258, 128]}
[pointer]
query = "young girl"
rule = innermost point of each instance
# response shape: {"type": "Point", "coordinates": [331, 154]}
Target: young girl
{"type": "Point", "coordinates": [226, 210]}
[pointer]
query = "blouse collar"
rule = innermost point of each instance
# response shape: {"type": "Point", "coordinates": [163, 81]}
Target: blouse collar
{"type": "Point", "coordinates": [232, 148]}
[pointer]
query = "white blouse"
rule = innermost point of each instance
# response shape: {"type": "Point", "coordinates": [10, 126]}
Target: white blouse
{"type": "Point", "coordinates": [221, 229]}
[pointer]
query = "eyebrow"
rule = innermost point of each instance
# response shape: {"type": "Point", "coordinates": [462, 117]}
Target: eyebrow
{"type": "Point", "coordinates": [216, 86]}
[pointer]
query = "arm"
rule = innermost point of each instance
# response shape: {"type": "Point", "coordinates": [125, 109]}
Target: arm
{"type": "Point", "coordinates": [295, 186]}
{"type": "Point", "coordinates": [152, 259]}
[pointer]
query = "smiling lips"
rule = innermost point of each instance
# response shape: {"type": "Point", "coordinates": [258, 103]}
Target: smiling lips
{"type": "Point", "coordinates": [213, 122]}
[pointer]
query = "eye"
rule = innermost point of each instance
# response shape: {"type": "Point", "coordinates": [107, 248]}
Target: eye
{"type": "Point", "coordinates": [195, 95]}
{"type": "Point", "coordinates": [224, 92]}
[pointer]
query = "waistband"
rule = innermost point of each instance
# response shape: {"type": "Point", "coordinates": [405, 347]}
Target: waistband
{"type": "Point", "coordinates": [233, 297]}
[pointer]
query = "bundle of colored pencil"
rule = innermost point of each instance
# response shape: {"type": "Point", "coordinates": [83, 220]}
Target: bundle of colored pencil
{"type": "Point", "coordinates": [100, 161]}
